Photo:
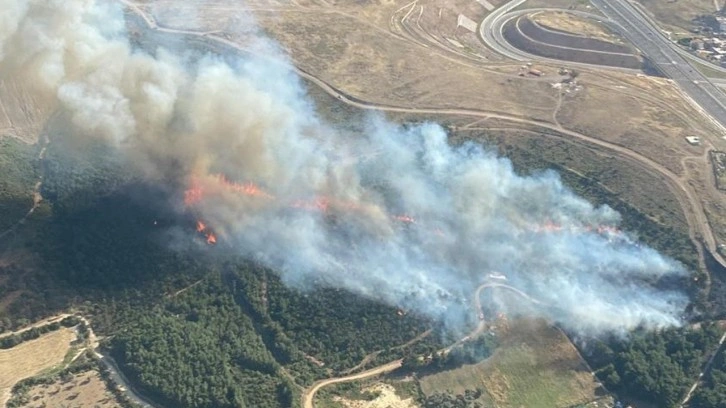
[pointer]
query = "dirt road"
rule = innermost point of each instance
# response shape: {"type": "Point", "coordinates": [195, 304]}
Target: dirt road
{"type": "Point", "coordinates": [116, 375]}
{"type": "Point", "coordinates": [702, 373]}
{"type": "Point", "coordinates": [56, 318]}
{"type": "Point", "coordinates": [309, 394]}
{"type": "Point", "coordinates": [699, 228]}
{"type": "Point", "coordinates": [37, 197]}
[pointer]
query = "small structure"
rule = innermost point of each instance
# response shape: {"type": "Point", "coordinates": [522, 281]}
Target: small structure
{"type": "Point", "coordinates": [466, 22]}
{"type": "Point", "coordinates": [693, 140]}
{"type": "Point", "coordinates": [486, 4]}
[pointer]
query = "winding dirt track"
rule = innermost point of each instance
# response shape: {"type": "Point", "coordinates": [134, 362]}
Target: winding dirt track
{"type": "Point", "coordinates": [37, 197]}
{"type": "Point", "coordinates": [308, 395]}
{"type": "Point", "coordinates": [699, 228]}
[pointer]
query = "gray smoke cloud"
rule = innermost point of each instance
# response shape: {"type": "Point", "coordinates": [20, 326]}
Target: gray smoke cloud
{"type": "Point", "coordinates": [395, 213]}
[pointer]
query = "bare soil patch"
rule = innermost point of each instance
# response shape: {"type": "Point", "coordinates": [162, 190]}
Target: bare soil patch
{"type": "Point", "coordinates": [564, 38]}
{"type": "Point", "coordinates": [676, 15]}
{"type": "Point", "coordinates": [386, 398]}
{"type": "Point", "coordinates": [561, 4]}
{"type": "Point", "coordinates": [32, 357]}
{"type": "Point", "coordinates": [83, 390]}
{"type": "Point", "coordinates": [645, 126]}
{"type": "Point", "coordinates": [571, 23]}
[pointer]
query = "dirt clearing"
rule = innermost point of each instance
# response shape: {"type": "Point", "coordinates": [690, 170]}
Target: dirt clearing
{"type": "Point", "coordinates": [32, 357]}
{"type": "Point", "coordinates": [83, 390]}
{"type": "Point", "coordinates": [574, 24]}
{"type": "Point", "coordinates": [386, 398]}
{"type": "Point", "coordinates": [676, 16]}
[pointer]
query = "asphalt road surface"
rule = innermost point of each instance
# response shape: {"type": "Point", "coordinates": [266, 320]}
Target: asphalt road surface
{"type": "Point", "coordinates": [664, 55]}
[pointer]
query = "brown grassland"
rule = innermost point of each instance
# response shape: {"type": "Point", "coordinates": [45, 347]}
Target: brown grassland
{"type": "Point", "coordinates": [32, 357]}
{"type": "Point", "coordinates": [396, 53]}
{"type": "Point", "coordinates": [676, 15]}
{"type": "Point", "coordinates": [575, 25]}
{"type": "Point", "coordinates": [86, 389]}
{"type": "Point", "coordinates": [534, 366]}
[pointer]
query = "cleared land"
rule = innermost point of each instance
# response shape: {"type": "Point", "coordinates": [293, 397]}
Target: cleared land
{"type": "Point", "coordinates": [571, 23]}
{"type": "Point", "coordinates": [32, 357]}
{"type": "Point", "coordinates": [385, 397]}
{"type": "Point", "coordinates": [535, 366]}
{"type": "Point", "coordinates": [558, 37]}
{"type": "Point", "coordinates": [676, 16]}
{"type": "Point", "coordinates": [83, 390]}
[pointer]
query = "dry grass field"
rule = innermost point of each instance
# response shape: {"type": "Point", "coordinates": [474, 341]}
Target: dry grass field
{"type": "Point", "coordinates": [676, 15]}
{"type": "Point", "coordinates": [32, 357]}
{"type": "Point", "coordinates": [22, 114]}
{"type": "Point", "coordinates": [582, 5]}
{"type": "Point", "coordinates": [535, 366]}
{"type": "Point", "coordinates": [83, 390]}
{"type": "Point", "coordinates": [575, 25]}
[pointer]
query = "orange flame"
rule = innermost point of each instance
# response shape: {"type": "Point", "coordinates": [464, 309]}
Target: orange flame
{"type": "Point", "coordinates": [249, 188]}
{"type": "Point", "coordinates": [202, 229]}
{"type": "Point", "coordinates": [193, 194]}
{"type": "Point", "coordinates": [404, 218]}
{"type": "Point", "coordinates": [196, 192]}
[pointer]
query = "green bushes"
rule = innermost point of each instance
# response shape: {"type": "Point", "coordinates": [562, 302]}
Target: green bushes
{"type": "Point", "coordinates": [657, 367]}
{"type": "Point", "coordinates": [13, 340]}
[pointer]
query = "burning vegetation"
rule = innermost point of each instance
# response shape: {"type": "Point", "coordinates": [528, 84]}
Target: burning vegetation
{"type": "Point", "coordinates": [208, 234]}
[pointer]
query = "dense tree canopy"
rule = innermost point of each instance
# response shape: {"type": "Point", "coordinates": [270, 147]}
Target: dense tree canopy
{"type": "Point", "coordinates": [654, 366]}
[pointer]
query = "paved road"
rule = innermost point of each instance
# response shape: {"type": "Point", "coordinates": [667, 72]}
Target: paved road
{"type": "Point", "coordinates": [117, 375]}
{"type": "Point", "coordinates": [665, 55]}
{"type": "Point", "coordinates": [491, 32]}
{"type": "Point", "coordinates": [690, 203]}
{"type": "Point", "coordinates": [703, 372]}
{"type": "Point", "coordinates": [692, 206]}
{"type": "Point", "coordinates": [642, 33]}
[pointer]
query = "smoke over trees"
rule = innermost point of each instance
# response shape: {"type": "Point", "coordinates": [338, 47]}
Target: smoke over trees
{"type": "Point", "coordinates": [395, 214]}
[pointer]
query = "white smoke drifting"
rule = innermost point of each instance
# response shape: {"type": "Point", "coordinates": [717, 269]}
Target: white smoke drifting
{"type": "Point", "coordinates": [395, 214]}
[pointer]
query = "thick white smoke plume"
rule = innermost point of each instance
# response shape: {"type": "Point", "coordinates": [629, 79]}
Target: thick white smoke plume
{"type": "Point", "coordinates": [396, 214]}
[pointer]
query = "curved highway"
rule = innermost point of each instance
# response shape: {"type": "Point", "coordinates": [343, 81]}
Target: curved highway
{"type": "Point", "coordinates": [491, 32]}
{"type": "Point", "coordinates": [699, 228]}
{"type": "Point", "coordinates": [665, 55]}
{"type": "Point", "coordinates": [641, 32]}
{"type": "Point", "coordinates": [692, 207]}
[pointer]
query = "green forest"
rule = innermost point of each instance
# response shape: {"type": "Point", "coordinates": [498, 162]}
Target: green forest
{"type": "Point", "coordinates": [712, 393]}
{"type": "Point", "coordinates": [19, 170]}
{"type": "Point", "coordinates": [195, 326]}
{"type": "Point", "coordinates": [658, 367]}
